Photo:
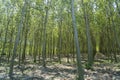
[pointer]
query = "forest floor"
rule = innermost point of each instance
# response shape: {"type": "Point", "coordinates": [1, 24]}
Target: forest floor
{"type": "Point", "coordinates": [64, 71]}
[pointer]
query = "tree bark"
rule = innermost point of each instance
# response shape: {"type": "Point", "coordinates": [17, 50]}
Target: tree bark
{"type": "Point", "coordinates": [89, 44]}
{"type": "Point", "coordinates": [44, 38]}
{"type": "Point", "coordinates": [79, 64]}
{"type": "Point", "coordinates": [16, 42]}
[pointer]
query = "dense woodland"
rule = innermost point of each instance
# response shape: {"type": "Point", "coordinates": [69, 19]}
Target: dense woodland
{"type": "Point", "coordinates": [82, 33]}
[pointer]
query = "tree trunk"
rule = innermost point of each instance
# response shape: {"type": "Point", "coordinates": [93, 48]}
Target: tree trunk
{"type": "Point", "coordinates": [4, 44]}
{"type": "Point", "coordinates": [44, 38]}
{"type": "Point", "coordinates": [16, 42]}
{"type": "Point", "coordinates": [79, 64]}
{"type": "Point", "coordinates": [89, 44]}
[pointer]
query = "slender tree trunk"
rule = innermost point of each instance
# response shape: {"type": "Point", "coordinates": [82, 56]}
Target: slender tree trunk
{"type": "Point", "coordinates": [44, 39]}
{"type": "Point", "coordinates": [26, 30]}
{"type": "Point", "coordinates": [51, 46]}
{"type": "Point", "coordinates": [10, 43]}
{"type": "Point", "coordinates": [40, 42]}
{"type": "Point", "coordinates": [24, 48]}
{"type": "Point", "coordinates": [4, 44]}
{"type": "Point", "coordinates": [79, 64]}
{"type": "Point", "coordinates": [90, 53]}
{"type": "Point", "coordinates": [73, 46]}
{"type": "Point", "coordinates": [115, 39]}
{"type": "Point", "coordinates": [60, 41]}
{"type": "Point", "coordinates": [16, 42]}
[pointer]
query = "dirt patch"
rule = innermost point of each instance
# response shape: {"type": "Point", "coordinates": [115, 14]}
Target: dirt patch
{"type": "Point", "coordinates": [60, 72]}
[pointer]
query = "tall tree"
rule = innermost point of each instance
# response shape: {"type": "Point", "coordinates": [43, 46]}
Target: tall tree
{"type": "Point", "coordinates": [79, 64]}
{"type": "Point", "coordinates": [8, 17]}
{"type": "Point", "coordinates": [44, 34]}
{"type": "Point", "coordinates": [26, 26]}
{"type": "Point", "coordinates": [89, 44]}
{"type": "Point", "coordinates": [17, 40]}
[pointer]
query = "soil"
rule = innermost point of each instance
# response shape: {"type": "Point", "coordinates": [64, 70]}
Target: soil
{"type": "Point", "coordinates": [65, 71]}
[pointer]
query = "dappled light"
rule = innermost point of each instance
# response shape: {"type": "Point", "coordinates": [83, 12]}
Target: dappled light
{"type": "Point", "coordinates": [59, 40]}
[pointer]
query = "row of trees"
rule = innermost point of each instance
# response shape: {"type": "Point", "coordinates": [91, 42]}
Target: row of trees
{"type": "Point", "coordinates": [49, 29]}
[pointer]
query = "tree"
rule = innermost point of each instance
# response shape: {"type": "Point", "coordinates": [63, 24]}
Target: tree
{"type": "Point", "coordinates": [17, 40]}
{"type": "Point", "coordinates": [79, 64]}
{"type": "Point", "coordinates": [89, 44]}
{"type": "Point", "coordinates": [44, 35]}
{"type": "Point", "coordinates": [8, 17]}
